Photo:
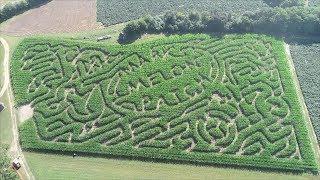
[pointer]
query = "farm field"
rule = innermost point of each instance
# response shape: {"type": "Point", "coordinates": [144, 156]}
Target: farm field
{"type": "Point", "coordinates": [231, 100]}
{"type": "Point", "coordinates": [306, 57]}
{"type": "Point", "coordinates": [135, 101]}
{"type": "Point", "coordinates": [66, 167]}
{"type": "Point", "coordinates": [57, 16]}
{"type": "Point", "coordinates": [314, 2]}
{"type": "Point", "coordinates": [116, 11]}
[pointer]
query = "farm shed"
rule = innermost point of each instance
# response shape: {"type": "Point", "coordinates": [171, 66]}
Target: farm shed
{"type": "Point", "coordinates": [16, 164]}
{"type": "Point", "coordinates": [1, 107]}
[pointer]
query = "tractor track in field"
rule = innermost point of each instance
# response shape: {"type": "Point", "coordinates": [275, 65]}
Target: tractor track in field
{"type": "Point", "coordinates": [15, 148]}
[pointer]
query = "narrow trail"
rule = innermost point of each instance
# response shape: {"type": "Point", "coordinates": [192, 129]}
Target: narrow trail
{"type": "Point", "coordinates": [312, 135]}
{"type": "Point", "coordinates": [15, 149]}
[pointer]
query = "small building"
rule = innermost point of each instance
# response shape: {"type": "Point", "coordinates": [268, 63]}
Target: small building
{"type": "Point", "coordinates": [16, 164]}
{"type": "Point", "coordinates": [101, 38]}
{"type": "Point", "coordinates": [1, 107]}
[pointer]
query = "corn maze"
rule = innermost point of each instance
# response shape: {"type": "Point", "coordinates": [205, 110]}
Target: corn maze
{"type": "Point", "coordinates": [191, 98]}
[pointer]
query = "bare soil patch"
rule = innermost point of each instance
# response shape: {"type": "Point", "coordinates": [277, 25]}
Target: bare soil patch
{"type": "Point", "coordinates": [58, 16]}
{"type": "Point", "coordinates": [25, 112]}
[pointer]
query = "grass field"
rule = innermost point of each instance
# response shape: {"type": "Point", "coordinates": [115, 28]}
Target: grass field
{"type": "Point", "coordinates": [5, 122]}
{"type": "Point", "coordinates": [1, 64]}
{"type": "Point", "coordinates": [116, 11]}
{"type": "Point", "coordinates": [115, 100]}
{"type": "Point", "coordinates": [46, 166]}
{"type": "Point", "coordinates": [5, 116]}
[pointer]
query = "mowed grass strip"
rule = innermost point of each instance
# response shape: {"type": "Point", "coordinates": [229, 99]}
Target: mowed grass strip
{"type": "Point", "coordinates": [5, 117]}
{"type": "Point", "coordinates": [50, 166]}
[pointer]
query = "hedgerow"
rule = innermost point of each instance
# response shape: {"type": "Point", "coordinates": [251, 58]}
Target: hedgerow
{"type": "Point", "coordinates": [294, 20]}
{"type": "Point", "coordinates": [190, 98]}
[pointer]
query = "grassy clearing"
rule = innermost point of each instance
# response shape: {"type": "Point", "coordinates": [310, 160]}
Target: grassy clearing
{"type": "Point", "coordinates": [5, 117]}
{"type": "Point", "coordinates": [5, 122]}
{"type": "Point", "coordinates": [1, 64]}
{"type": "Point", "coordinates": [47, 166]}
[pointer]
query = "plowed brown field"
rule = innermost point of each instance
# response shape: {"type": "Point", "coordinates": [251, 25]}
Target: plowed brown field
{"type": "Point", "coordinates": [58, 16]}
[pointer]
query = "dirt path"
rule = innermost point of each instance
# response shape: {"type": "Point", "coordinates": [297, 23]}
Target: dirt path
{"type": "Point", "coordinates": [15, 149]}
{"type": "Point", "coordinates": [312, 135]}
{"type": "Point", "coordinates": [5, 66]}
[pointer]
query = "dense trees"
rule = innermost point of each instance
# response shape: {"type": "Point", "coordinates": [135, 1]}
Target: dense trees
{"type": "Point", "coordinates": [296, 20]}
{"type": "Point", "coordinates": [11, 9]}
{"type": "Point", "coordinates": [278, 20]}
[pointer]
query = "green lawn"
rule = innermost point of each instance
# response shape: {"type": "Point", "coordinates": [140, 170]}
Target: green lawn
{"type": "Point", "coordinates": [1, 63]}
{"type": "Point", "coordinates": [47, 166]}
{"type": "Point", "coordinates": [5, 132]}
{"type": "Point", "coordinates": [5, 117]}
{"type": "Point", "coordinates": [5, 123]}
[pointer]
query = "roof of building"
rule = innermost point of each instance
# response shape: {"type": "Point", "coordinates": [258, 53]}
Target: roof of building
{"type": "Point", "coordinates": [1, 107]}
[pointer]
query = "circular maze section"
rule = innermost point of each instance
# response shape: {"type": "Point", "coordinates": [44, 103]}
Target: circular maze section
{"type": "Point", "coordinates": [190, 98]}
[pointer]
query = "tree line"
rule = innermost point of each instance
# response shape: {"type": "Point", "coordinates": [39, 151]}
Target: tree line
{"type": "Point", "coordinates": [11, 9]}
{"type": "Point", "coordinates": [291, 20]}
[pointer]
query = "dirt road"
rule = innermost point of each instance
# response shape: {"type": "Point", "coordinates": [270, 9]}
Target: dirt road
{"type": "Point", "coordinates": [15, 149]}
{"type": "Point", "coordinates": [5, 66]}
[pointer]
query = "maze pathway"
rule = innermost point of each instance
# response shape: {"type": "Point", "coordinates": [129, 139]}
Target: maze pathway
{"type": "Point", "coordinates": [194, 98]}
